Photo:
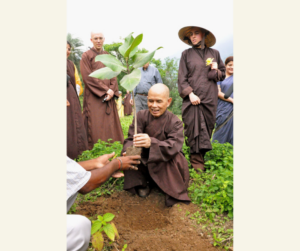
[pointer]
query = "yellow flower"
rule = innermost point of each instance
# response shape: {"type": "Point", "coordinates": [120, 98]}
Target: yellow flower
{"type": "Point", "coordinates": [209, 61]}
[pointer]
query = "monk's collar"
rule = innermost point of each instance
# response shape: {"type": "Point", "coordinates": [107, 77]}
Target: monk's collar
{"type": "Point", "coordinates": [96, 50]}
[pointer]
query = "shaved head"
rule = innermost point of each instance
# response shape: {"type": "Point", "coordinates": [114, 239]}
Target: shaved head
{"type": "Point", "coordinates": [97, 38]}
{"type": "Point", "coordinates": [160, 88]}
{"type": "Point", "coordinates": [93, 33]}
{"type": "Point", "coordinates": [158, 99]}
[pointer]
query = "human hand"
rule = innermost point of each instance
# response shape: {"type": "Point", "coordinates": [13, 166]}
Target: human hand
{"type": "Point", "coordinates": [128, 162]}
{"type": "Point", "coordinates": [103, 160]}
{"type": "Point", "coordinates": [142, 140]}
{"type": "Point", "coordinates": [195, 100]}
{"type": "Point", "coordinates": [68, 103]}
{"type": "Point", "coordinates": [117, 175]}
{"type": "Point", "coordinates": [110, 92]}
{"type": "Point", "coordinates": [214, 66]}
{"type": "Point", "coordinates": [131, 101]}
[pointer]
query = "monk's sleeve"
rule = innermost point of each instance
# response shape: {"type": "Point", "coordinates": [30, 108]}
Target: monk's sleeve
{"type": "Point", "coordinates": [163, 151]}
{"type": "Point", "coordinates": [114, 86]}
{"type": "Point", "coordinates": [217, 75]}
{"type": "Point", "coordinates": [184, 87]}
{"type": "Point", "coordinates": [93, 84]}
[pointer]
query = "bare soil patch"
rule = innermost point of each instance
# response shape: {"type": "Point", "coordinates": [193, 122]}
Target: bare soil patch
{"type": "Point", "coordinates": [147, 224]}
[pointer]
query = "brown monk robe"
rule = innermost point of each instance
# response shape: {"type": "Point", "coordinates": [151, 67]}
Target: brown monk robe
{"type": "Point", "coordinates": [195, 77]}
{"type": "Point", "coordinates": [127, 105]}
{"type": "Point", "coordinates": [100, 118]}
{"type": "Point", "coordinates": [76, 134]}
{"type": "Point", "coordinates": [162, 162]}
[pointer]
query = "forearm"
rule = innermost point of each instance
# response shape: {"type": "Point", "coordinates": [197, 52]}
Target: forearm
{"type": "Point", "coordinates": [89, 165]}
{"type": "Point", "coordinates": [221, 96]}
{"type": "Point", "coordinates": [100, 176]}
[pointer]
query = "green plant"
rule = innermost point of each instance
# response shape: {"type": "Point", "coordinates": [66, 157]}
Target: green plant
{"type": "Point", "coordinates": [133, 60]}
{"type": "Point", "coordinates": [124, 247]}
{"type": "Point", "coordinates": [213, 189]}
{"type": "Point", "coordinates": [100, 225]}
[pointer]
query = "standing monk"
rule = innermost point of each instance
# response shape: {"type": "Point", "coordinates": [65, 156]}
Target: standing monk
{"type": "Point", "coordinates": [197, 87]}
{"type": "Point", "coordinates": [127, 105]}
{"type": "Point", "coordinates": [76, 134]}
{"type": "Point", "coordinates": [160, 134]}
{"type": "Point", "coordinates": [100, 117]}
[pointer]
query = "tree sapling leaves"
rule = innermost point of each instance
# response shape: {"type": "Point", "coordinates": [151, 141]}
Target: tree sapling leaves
{"type": "Point", "coordinates": [140, 59]}
{"type": "Point", "coordinates": [124, 47]}
{"type": "Point", "coordinates": [133, 47]}
{"type": "Point", "coordinates": [110, 61]}
{"type": "Point", "coordinates": [104, 73]}
{"type": "Point", "coordinates": [131, 80]}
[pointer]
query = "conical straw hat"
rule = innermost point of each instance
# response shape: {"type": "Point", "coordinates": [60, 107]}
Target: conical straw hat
{"type": "Point", "coordinates": [210, 39]}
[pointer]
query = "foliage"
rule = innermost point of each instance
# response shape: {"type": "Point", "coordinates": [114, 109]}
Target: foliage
{"type": "Point", "coordinates": [169, 74]}
{"type": "Point", "coordinates": [100, 225]}
{"type": "Point", "coordinates": [100, 148]}
{"type": "Point", "coordinates": [76, 52]}
{"type": "Point", "coordinates": [125, 123]}
{"type": "Point", "coordinates": [213, 189]}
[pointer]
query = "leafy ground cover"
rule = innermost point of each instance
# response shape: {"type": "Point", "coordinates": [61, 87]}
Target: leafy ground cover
{"type": "Point", "coordinates": [146, 224]}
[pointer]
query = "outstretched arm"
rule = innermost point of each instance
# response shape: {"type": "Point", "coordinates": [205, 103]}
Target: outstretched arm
{"type": "Point", "coordinates": [100, 175]}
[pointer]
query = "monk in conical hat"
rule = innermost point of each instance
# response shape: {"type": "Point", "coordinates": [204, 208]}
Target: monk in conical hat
{"type": "Point", "coordinates": [200, 68]}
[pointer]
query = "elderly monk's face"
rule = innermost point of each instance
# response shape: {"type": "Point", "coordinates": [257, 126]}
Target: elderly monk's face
{"type": "Point", "coordinates": [195, 35]}
{"type": "Point", "coordinates": [68, 50]}
{"type": "Point", "coordinates": [158, 102]}
{"type": "Point", "coordinates": [98, 40]}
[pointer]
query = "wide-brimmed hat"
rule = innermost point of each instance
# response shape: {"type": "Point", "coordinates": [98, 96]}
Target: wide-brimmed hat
{"type": "Point", "coordinates": [210, 39]}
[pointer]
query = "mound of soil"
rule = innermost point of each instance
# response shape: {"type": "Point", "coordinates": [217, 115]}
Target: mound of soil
{"type": "Point", "coordinates": [147, 224]}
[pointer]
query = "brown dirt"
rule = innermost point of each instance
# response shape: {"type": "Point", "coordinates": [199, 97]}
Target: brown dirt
{"type": "Point", "coordinates": [147, 224]}
{"type": "Point", "coordinates": [130, 151]}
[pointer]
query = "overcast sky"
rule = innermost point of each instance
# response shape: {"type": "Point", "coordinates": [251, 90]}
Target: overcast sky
{"type": "Point", "coordinates": [159, 21]}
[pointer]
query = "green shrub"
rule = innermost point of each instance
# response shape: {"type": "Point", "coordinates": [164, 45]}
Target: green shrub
{"type": "Point", "coordinates": [213, 189]}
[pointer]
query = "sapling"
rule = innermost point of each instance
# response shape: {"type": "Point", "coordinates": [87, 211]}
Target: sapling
{"type": "Point", "coordinates": [101, 224]}
{"type": "Point", "coordinates": [133, 60]}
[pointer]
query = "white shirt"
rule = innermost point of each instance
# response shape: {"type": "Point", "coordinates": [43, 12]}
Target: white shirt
{"type": "Point", "coordinates": [77, 177]}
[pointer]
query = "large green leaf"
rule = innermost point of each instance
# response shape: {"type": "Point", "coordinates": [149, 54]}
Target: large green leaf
{"type": "Point", "coordinates": [95, 227]}
{"type": "Point", "coordinates": [140, 59]}
{"type": "Point", "coordinates": [104, 73]}
{"type": "Point", "coordinates": [111, 62]}
{"type": "Point", "coordinates": [124, 47]}
{"type": "Point", "coordinates": [109, 230]}
{"type": "Point", "coordinates": [97, 241]}
{"type": "Point", "coordinates": [133, 47]}
{"type": "Point", "coordinates": [131, 80]}
{"type": "Point", "coordinates": [108, 217]}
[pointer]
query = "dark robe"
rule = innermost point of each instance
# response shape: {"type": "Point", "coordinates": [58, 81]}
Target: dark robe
{"type": "Point", "coordinates": [101, 119]}
{"type": "Point", "coordinates": [164, 161]}
{"type": "Point", "coordinates": [127, 105]}
{"type": "Point", "coordinates": [195, 76]}
{"type": "Point", "coordinates": [76, 134]}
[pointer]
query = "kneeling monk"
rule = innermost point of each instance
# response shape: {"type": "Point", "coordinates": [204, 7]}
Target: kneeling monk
{"type": "Point", "coordinates": [160, 134]}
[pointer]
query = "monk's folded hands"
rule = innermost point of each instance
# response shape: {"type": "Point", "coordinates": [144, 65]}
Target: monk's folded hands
{"type": "Point", "coordinates": [141, 140]}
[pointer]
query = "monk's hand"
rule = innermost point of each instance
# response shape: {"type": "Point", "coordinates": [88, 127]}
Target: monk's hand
{"type": "Point", "coordinates": [195, 100]}
{"type": "Point", "coordinates": [68, 103]}
{"type": "Point", "coordinates": [214, 66]}
{"type": "Point", "coordinates": [131, 101]}
{"type": "Point", "coordinates": [128, 162]}
{"type": "Point", "coordinates": [103, 160]}
{"type": "Point", "coordinates": [142, 140]}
